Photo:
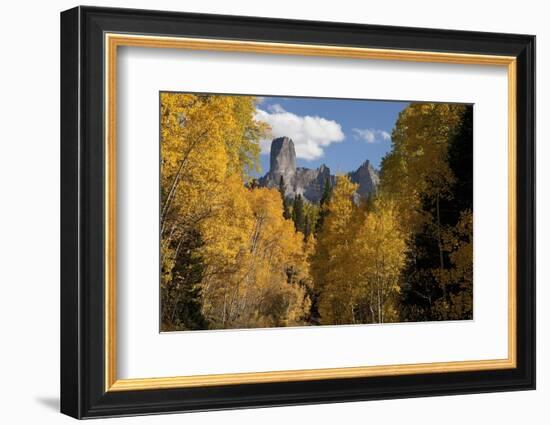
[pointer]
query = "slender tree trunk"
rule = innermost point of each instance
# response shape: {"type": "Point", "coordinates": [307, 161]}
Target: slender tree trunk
{"type": "Point", "coordinates": [371, 304]}
{"type": "Point", "coordinates": [171, 192]}
{"type": "Point", "coordinates": [224, 306]}
{"type": "Point", "coordinates": [379, 304]}
{"type": "Point", "coordinates": [174, 309]}
{"type": "Point", "coordinates": [177, 178]}
{"type": "Point", "coordinates": [440, 246]}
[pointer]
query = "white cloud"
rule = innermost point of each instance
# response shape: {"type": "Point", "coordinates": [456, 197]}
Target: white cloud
{"type": "Point", "coordinates": [371, 135]}
{"type": "Point", "coordinates": [276, 109]}
{"type": "Point", "coordinates": [310, 134]}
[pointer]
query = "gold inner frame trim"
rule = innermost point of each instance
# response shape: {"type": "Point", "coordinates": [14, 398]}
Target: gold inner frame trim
{"type": "Point", "coordinates": [113, 41]}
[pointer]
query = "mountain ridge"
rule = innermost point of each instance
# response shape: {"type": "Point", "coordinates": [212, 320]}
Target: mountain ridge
{"type": "Point", "coordinates": [310, 182]}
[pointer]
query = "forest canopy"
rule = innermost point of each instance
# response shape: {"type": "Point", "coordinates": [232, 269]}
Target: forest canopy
{"type": "Point", "coordinates": [235, 254]}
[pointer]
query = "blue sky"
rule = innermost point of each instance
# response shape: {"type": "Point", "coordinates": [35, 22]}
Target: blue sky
{"type": "Point", "coordinates": [339, 133]}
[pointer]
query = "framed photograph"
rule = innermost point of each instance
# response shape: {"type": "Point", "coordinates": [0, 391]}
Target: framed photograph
{"type": "Point", "coordinates": [261, 212]}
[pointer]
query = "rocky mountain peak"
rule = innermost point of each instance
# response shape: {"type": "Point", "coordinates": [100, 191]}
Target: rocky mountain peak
{"type": "Point", "coordinates": [283, 157]}
{"type": "Point", "coordinates": [309, 182]}
{"type": "Point", "coordinates": [366, 177]}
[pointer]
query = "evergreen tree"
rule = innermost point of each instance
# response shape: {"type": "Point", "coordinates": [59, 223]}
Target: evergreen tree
{"type": "Point", "coordinates": [254, 184]}
{"type": "Point", "coordinates": [298, 213]}
{"type": "Point", "coordinates": [181, 298]}
{"type": "Point", "coordinates": [327, 191]}
{"type": "Point", "coordinates": [307, 227]}
{"type": "Point", "coordinates": [419, 287]}
{"type": "Point", "coordinates": [282, 191]}
{"type": "Point", "coordinates": [323, 212]}
{"type": "Point", "coordinates": [282, 188]}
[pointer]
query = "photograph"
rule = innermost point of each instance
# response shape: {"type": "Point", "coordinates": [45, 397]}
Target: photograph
{"type": "Point", "coordinates": [301, 211]}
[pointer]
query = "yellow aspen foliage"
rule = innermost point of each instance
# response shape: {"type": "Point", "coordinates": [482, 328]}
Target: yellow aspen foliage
{"type": "Point", "coordinates": [251, 287]}
{"type": "Point", "coordinates": [377, 257]}
{"type": "Point", "coordinates": [234, 256]}
{"type": "Point", "coordinates": [417, 164]}
{"type": "Point", "coordinates": [229, 258]}
{"type": "Point", "coordinates": [358, 261]}
{"type": "Point", "coordinates": [458, 241]}
{"type": "Point", "coordinates": [208, 146]}
{"type": "Point", "coordinates": [204, 139]}
{"type": "Point", "coordinates": [330, 265]}
{"type": "Point", "coordinates": [426, 175]}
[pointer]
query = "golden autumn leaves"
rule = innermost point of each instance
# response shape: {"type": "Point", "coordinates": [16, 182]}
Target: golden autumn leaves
{"type": "Point", "coordinates": [359, 256]}
{"type": "Point", "coordinates": [429, 175]}
{"type": "Point", "coordinates": [230, 258]}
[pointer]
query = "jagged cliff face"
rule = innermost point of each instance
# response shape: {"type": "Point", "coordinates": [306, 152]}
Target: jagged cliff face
{"type": "Point", "coordinates": [366, 177]}
{"type": "Point", "coordinates": [282, 161]}
{"type": "Point", "coordinates": [310, 182]}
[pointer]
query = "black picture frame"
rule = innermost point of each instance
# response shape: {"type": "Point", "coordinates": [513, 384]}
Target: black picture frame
{"type": "Point", "coordinates": [83, 392]}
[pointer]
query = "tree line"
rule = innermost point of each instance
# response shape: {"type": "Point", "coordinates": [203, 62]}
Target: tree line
{"type": "Point", "coordinates": [234, 255]}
